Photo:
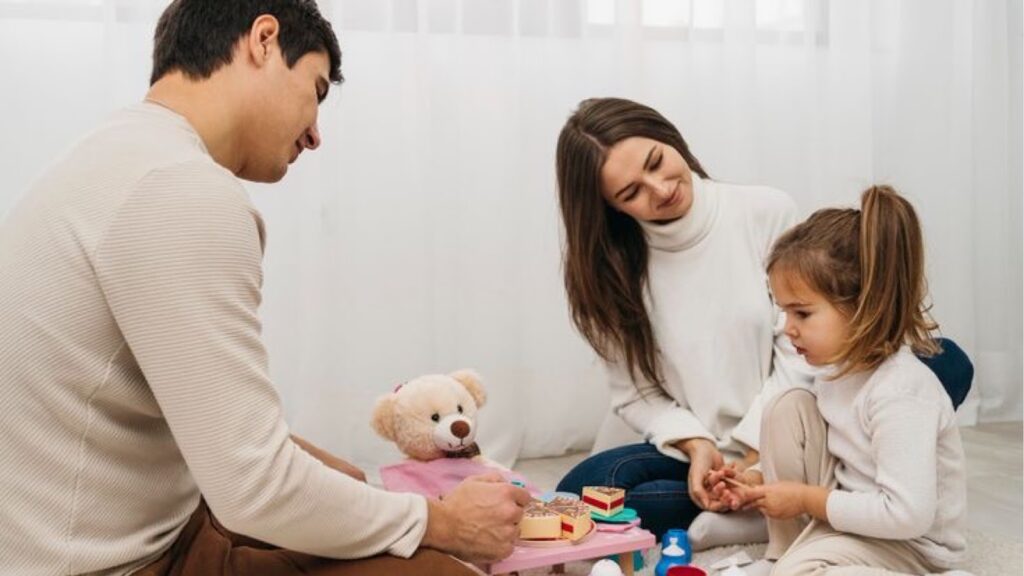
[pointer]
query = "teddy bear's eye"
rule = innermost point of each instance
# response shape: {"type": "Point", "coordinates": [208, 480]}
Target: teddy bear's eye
{"type": "Point", "coordinates": [435, 417]}
{"type": "Point", "coordinates": [460, 408]}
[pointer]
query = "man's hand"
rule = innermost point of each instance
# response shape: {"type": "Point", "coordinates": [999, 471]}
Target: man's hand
{"type": "Point", "coordinates": [478, 521]}
{"type": "Point", "coordinates": [785, 500]}
{"type": "Point", "coordinates": [330, 460]}
{"type": "Point", "coordinates": [704, 457]}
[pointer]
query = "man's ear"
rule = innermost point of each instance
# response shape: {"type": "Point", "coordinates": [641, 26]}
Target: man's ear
{"type": "Point", "coordinates": [262, 39]}
{"type": "Point", "coordinates": [471, 380]}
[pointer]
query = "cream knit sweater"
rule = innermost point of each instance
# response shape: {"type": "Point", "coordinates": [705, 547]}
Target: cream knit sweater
{"type": "Point", "coordinates": [901, 470]}
{"type": "Point", "coordinates": [719, 335]}
{"type": "Point", "coordinates": [134, 377]}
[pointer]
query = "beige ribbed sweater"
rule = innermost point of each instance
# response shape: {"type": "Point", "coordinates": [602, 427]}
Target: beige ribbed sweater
{"type": "Point", "coordinates": [133, 376]}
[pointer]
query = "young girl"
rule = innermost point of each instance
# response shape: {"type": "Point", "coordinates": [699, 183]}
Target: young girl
{"type": "Point", "coordinates": [866, 473]}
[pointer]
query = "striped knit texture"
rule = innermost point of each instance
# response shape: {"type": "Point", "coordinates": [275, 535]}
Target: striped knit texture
{"type": "Point", "coordinates": [133, 372]}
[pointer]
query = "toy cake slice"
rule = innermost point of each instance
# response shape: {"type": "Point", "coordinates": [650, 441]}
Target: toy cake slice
{"type": "Point", "coordinates": [604, 501]}
{"type": "Point", "coordinates": [540, 522]}
{"type": "Point", "coordinates": [575, 519]}
{"type": "Point", "coordinates": [563, 502]}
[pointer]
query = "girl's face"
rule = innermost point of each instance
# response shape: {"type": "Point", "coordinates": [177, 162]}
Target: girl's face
{"type": "Point", "coordinates": [647, 180]}
{"type": "Point", "coordinates": [816, 327]}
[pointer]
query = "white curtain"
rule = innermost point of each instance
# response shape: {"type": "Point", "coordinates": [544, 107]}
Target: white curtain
{"type": "Point", "coordinates": [424, 235]}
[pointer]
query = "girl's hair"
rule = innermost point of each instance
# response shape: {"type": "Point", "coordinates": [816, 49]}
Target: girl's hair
{"type": "Point", "coordinates": [869, 264]}
{"type": "Point", "coordinates": [605, 252]}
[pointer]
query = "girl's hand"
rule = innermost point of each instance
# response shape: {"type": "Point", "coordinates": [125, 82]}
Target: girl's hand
{"type": "Point", "coordinates": [731, 485]}
{"type": "Point", "coordinates": [704, 457]}
{"type": "Point", "coordinates": [785, 500]}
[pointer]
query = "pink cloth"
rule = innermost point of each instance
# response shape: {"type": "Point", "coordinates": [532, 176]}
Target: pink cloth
{"type": "Point", "coordinates": [605, 527]}
{"type": "Point", "coordinates": [439, 477]}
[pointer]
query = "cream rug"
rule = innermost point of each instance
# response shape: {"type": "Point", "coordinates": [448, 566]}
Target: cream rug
{"type": "Point", "coordinates": [987, 556]}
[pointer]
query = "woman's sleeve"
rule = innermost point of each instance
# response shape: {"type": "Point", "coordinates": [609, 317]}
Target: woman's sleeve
{"type": "Point", "coordinates": [650, 411]}
{"type": "Point", "coordinates": [789, 370]}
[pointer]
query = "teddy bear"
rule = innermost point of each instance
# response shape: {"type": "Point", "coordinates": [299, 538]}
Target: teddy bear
{"type": "Point", "coordinates": [433, 416]}
{"type": "Point", "coordinates": [433, 420]}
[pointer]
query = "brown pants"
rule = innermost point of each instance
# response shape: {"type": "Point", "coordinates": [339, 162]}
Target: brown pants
{"type": "Point", "coordinates": [205, 548]}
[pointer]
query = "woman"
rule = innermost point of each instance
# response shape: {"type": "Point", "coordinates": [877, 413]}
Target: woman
{"type": "Point", "coordinates": [665, 277]}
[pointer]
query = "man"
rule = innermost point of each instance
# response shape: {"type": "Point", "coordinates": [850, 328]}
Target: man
{"type": "Point", "coordinates": [141, 433]}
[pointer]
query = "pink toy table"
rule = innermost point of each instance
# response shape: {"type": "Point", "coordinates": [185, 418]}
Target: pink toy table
{"type": "Point", "coordinates": [599, 545]}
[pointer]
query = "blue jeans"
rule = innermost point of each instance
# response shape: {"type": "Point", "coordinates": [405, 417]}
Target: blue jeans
{"type": "Point", "coordinates": [656, 484]}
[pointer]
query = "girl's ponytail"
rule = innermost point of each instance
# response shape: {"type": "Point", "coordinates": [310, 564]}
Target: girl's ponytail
{"type": "Point", "coordinates": [891, 308]}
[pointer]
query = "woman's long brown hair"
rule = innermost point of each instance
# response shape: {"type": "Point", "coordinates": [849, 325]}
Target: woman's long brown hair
{"type": "Point", "coordinates": [605, 252]}
{"type": "Point", "coordinates": [869, 264]}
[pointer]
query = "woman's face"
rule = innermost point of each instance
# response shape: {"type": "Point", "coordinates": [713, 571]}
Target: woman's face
{"type": "Point", "coordinates": [647, 180]}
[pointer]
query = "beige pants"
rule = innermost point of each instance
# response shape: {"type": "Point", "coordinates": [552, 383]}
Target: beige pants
{"type": "Point", "coordinates": [793, 442]}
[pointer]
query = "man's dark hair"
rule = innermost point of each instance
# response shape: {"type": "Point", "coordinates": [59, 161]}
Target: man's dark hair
{"type": "Point", "coordinates": [199, 36]}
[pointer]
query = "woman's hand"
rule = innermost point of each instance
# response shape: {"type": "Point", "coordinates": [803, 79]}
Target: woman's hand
{"type": "Point", "coordinates": [704, 457]}
{"type": "Point", "coordinates": [750, 457]}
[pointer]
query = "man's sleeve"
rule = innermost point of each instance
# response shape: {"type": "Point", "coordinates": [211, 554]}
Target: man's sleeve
{"type": "Point", "coordinates": [180, 266]}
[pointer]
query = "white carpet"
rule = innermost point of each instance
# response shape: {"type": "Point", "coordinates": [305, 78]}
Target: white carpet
{"type": "Point", "coordinates": [987, 556]}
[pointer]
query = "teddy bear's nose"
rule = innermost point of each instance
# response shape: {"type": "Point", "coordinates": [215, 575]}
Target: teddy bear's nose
{"type": "Point", "coordinates": [460, 429]}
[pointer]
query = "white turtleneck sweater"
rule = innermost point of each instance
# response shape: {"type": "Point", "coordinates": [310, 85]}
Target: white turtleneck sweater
{"type": "Point", "coordinates": [900, 465]}
{"type": "Point", "coordinates": [719, 334]}
{"type": "Point", "coordinates": [134, 377]}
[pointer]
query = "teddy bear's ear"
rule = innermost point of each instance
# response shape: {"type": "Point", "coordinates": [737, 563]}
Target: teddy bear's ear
{"type": "Point", "coordinates": [471, 380]}
{"type": "Point", "coordinates": [383, 416]}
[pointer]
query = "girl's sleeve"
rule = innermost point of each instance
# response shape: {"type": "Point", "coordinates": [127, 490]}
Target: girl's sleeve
{"type": "Point", "coordinates": [904, 438]}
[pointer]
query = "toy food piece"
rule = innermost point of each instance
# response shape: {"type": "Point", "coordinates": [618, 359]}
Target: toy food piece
{"type": "Point", "coordinates": [540, 522]}
{"type": "Point", "coordinates": [575, 520]}
{"type": "Point", "coordinates": [563, 502]}
{"type": "Point", "coordinates": [603, 500]}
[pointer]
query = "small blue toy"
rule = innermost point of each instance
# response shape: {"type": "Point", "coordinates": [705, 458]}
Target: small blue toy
{"type": "Point", "coordinates": [675, 551]}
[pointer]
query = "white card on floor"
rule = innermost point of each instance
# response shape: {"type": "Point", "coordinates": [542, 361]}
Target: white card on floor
{"type": "Point", "coordinates": [739, 559]}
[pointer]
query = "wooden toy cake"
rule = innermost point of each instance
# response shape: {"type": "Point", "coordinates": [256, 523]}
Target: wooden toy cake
{"type": "Point", "coordinates": [603, 500]}
{"type": "Point", "coordinates": [575, 519]}
{"type": "Point", "coordinates": [562, 518]}
{"type": "Point", "coordinates": [540, 522]}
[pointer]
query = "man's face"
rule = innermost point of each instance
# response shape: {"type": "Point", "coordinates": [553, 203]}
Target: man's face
{"type": "Point", "coordinates": [283, 118]}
